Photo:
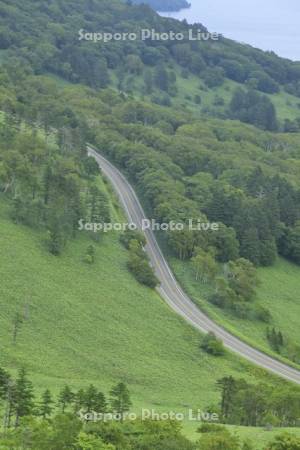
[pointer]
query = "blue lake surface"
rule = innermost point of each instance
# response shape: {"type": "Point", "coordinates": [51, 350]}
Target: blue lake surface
{"type": "Point", "coordinates": [266, 24]}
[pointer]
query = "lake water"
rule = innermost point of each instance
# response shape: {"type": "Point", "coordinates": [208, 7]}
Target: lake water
{"type": "Point", "coordinates": [266, 24]}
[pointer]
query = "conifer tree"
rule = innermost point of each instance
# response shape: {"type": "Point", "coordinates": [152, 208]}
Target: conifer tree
{"type": "Point", "coordinates": [120, 399]}
{"type": "Point", "coordinates": [23, 396]}
{"type": "Point", "coordinates": [45, 409]}
{"type": "Point", "coordinates": [65, 398]}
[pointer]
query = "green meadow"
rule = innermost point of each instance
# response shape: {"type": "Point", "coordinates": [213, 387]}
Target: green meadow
{"type": "Point", "coordinates": [279, 292]}
{"type": "Point", "coordinates": [95, 324]}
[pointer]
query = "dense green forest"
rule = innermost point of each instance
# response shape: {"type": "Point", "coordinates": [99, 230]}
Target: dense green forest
{"type": "Point", "coordinates": [161, 71]}
{"type": "Point", "coordinates": [233, 160]}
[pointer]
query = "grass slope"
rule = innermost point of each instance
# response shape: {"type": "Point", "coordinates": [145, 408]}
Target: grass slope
{"type": "Point", "coordinates": [279, 292]}
{"type": "Point", "coordinates": [86, 324]}
{"type": "Point", "coordinates": [287, 106]}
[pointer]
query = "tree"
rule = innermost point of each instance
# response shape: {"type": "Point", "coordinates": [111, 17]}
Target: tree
{"type": "Point", "coordinates": [250, 245]}
{"type": "Point", "coordinates": [17, 323]}
{"type": "Point", "coordinates": [100, 403]}
{"type": "Point", "coordinates": [293, 243]}
{"type": "Point", "coordinates": [120, 399]}
{"type": "Point", "coordinates": [242, 277]}
{"type": "Point", "coordinates": [253, 405]}
{"type": "Point", "coordinates": [275, 339]}
{"type": "Point", "coordinates": [93, 400]}
{"type": "Point", "coordinates": [223, 295]}
{"type": "Point", "coordinates": [161, 78]}
{"type": "Point", "coordinates": [234, 70]}
{"type": "Point", "coordinates": [142, 270]}
{"type": "Point", "coordinates": [228, 388]}
{"type": "Point", "coordinates": [134, 64]}
{"type": "Point", "coordinates": [148, 82]}
{"type": "Point", "coordinates": [130, 235]}
{"type": "Point", "coordinates": [45, 407]}
{"type": "Point", "coordinates": [98, 205]}
{"type": "Point", "coordinates": [4, 382]}
{"type": "Point", "coordinates": [182, 243]}
{"type": "Point", "coordinates": [91, 166]}
{"type": "Point", "coordinates": [264, 82]}
{"type": "Point", "coordinates": [252, 107]}
{"type": "Point", "coordinates": [79, 400]}
{"type": "Point", "coordinates": [10, 403]}
{"type": "Point", "coordinates": [65, 398]}
{"type": "Point", "coordinates": [226, 243]}
{"type": "Point", "coordinates": [213, 77]}
{"type": "Point", "coordinates": [6, 388]}
{"type": "Point", "coordinates": [56, 237]}
{"type": "Point", "coordinates": [204, 265]}
{"type": "Point", "coordinates": [23, 396]}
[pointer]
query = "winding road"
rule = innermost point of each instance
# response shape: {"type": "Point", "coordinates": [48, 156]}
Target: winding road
{"type": "Point", "coordinates": [169, 288]}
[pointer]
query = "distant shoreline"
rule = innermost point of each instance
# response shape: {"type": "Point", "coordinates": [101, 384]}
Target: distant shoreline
{"type": "Point", "coordinates": [184, 5]}
{"type": "Point", "coordinates": [165, 5]}
{"type": "Point", "coordinates": [173, 8]}
{"type": "Point", "coordinates": [246, 24]}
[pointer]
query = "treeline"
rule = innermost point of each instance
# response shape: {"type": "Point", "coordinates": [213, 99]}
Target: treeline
{"type": "Point", "coordinates": [252, 107]}
{"type": "Point", "coordinates": [235, 289]}
{"type": "Point", "coordinates": [280, 344]}
{"type": "Point", "coordinates": [51, 185]}
{"type": "Point", "coordinates": [71, 420]}
{"type": "Point", "coordinates": [19, 400]}
{"type": "Point", "coordinates": [258, 405]}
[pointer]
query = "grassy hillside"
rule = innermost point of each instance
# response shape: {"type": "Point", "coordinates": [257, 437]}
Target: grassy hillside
{"type": "Point", "coordinates": [97, 324]}
{"type": "Point", "coordinates": [214, 100]}
{"type": "Point", "coordinates": [278, 291]}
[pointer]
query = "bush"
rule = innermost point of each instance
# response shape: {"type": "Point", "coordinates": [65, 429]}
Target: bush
{"type": "Point", "coordinates": [263, 314]}
{"type": "Point", "coordinates": [89, 256]}
{"type": "Point", "coordinates": [142, 271]}
{"type": "Point", "coordinates": [212, 345]}
{"type": "Point", "coordinates": [210, 428]}
{"type": "Point", "coordinates": [130, 235]}
{"type": "Point", "coordinates": [138, 263]}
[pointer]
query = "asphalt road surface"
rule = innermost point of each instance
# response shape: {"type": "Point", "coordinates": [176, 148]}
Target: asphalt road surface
{"type": "Point", "coordinates": [169, 288]}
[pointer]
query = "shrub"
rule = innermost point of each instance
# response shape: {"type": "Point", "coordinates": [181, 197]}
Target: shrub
{"type": "Point", "coordinates": [212, 345]}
